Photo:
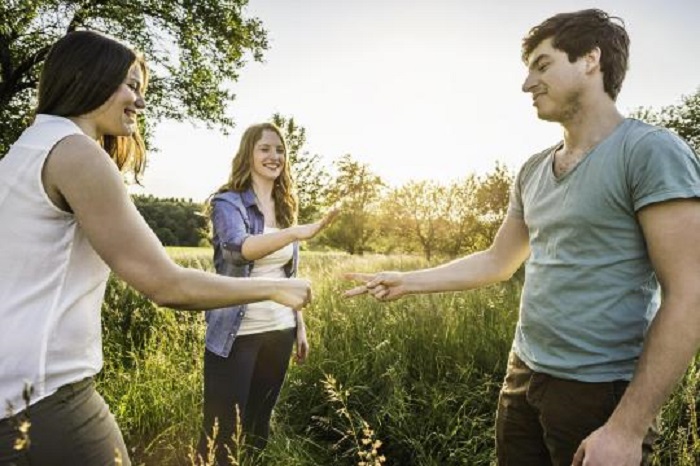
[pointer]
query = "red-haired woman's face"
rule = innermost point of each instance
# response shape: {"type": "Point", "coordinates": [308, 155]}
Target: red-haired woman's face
{"type": "Point", "coordinates": [268, 157]}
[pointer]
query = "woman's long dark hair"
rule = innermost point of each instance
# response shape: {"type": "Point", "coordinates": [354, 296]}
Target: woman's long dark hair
{"type": "Point", "coordinates": [81, 72]}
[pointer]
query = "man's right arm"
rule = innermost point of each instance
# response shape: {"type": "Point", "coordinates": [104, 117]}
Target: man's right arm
{"type": "Point", "coordinates": [509, 250]}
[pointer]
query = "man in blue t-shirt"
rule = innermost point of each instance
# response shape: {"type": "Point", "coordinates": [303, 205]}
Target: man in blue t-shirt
{"type": "Point", "coordinates": [604, 220]}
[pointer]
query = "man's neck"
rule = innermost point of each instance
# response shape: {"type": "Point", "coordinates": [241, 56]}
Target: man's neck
{"type": "Point", "coordinates": [590, 125]}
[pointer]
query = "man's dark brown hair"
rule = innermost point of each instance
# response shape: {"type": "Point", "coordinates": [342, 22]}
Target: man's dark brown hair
{"type": "Point", "coordinates": [580, 32]}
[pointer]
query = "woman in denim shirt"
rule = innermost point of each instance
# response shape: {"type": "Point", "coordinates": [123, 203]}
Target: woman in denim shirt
{"type": "Point", "coordinates": [248, 346]}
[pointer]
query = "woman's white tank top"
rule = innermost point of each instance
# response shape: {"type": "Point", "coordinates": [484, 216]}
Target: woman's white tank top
{"type": "Point", "coordinates": [52, 282]}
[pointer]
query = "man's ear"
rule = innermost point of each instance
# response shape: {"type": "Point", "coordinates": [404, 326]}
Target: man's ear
{"type": "Point", "coordinates": [592, 59]}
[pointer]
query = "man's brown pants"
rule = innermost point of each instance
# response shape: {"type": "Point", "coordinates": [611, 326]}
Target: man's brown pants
{"type": "Point", "coordinates": [542, 420]}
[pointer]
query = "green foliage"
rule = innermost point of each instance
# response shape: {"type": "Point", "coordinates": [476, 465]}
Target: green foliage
{"type": "Point", "coordinates": [176, 222]}
{"type": "Point", "coordinates": [446, 220]}
{"type": "Point", "coordinates": [152, 372]}
{"type": "Point", "coordinates": [492, 199]}
{"type": "Point", "coordinates": [683, 118]}
{"type": "Point", "coordinates": [419, 211]}
{"type": "Point", "coordinates": [194, 48]}
{"type": "Point", "coordinates": [353, 430]}
{"type": "Point", "coordinates": [356, 189]}
{"type": "Point", "coordinates": [423, 373]}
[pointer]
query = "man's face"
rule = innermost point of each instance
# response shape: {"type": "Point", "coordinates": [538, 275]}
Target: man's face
{"type": "Point", "coordinates": [555, 83]}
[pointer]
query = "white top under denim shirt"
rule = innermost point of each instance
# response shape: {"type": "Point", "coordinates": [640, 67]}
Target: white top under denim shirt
{"type": "Point", "coordinates": [268, 316]}
{"type": "Point", "coordinates": [52, 282]}
{"type": "Point", "coordinates": [235, 216]}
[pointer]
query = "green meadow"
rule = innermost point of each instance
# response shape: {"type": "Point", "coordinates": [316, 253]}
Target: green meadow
{"type": "Point", "coordinates": [413, 382]}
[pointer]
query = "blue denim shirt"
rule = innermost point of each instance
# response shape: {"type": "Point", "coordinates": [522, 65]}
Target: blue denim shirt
{"type": "Point", "coordinates": [235, 216]}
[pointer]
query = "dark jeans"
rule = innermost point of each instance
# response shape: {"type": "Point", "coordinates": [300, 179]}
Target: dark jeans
{"type": "Point", "coordinates": [246, 384]}
{"type": "Point", "coordinates": [542, 420]}
{"type": "Point", "coordinates": [72, 426]}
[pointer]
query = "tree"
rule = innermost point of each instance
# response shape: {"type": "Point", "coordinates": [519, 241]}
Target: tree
{"type": "Point", "coordinates": [447, 220]}
{"type": "Point", "coordinates": [310, 176]}
{"type": "Point", "coordinates": [357, 189]}
{"type": "Point", "coordinates": [193, 49]}
{"type": "Point", "coordinates": [683, 118]}
{"type": "Point", "coordinates": [462, 216]}
{"type": "Point", "coordinates": [418, 212]}
{"type": "Point", "coordinates": [176, 222]}
{"type": "Point", "coordinates": [492, 200]}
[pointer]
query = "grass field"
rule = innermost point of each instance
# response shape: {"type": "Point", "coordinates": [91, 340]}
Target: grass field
{"type": "Point", "coordinates": [414, 382]}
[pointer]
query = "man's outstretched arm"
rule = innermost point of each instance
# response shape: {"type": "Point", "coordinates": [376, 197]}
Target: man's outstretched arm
{"type": "Point", "coordinates": [509, 250]}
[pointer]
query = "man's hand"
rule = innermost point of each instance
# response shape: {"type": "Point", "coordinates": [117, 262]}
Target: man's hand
{"type": "Point", "coordinates": [607, 447]}
{"type": "Point", "coordinates": [384, 286]}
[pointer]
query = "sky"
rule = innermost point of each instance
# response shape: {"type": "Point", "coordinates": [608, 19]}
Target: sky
{"type": "Point", "coordinates": [417, 89]}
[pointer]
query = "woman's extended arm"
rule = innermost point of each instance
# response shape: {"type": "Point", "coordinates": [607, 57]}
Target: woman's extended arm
{"type": "Point", "coordinates": [257, 246]}
{"type": "Point", "coordinates": [79, 175]}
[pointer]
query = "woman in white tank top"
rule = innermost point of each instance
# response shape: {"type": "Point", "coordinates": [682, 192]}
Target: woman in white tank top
{"type": "Point", "coordinates": [248, 346]}
{"type": "Point", "coordinates": [66, 219]}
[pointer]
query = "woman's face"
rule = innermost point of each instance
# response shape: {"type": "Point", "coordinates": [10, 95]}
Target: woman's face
{"type": "Point", "coordinates": [268, 157]}
{"type": "Point", "coordinates": [117, 116]}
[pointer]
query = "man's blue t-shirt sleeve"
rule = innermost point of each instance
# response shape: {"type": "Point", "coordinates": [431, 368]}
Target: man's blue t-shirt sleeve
{"type": "Point", "coordinates": [662, 167]}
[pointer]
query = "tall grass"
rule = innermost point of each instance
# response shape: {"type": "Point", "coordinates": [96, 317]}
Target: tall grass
{"type": "Point", "coordinates": [413, 382]}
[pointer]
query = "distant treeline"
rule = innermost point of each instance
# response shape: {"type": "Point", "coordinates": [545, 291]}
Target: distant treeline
{"type": "Point", "coordinates": [176, 222]}
{"type": "Point", "coordinates": [438, 219]}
